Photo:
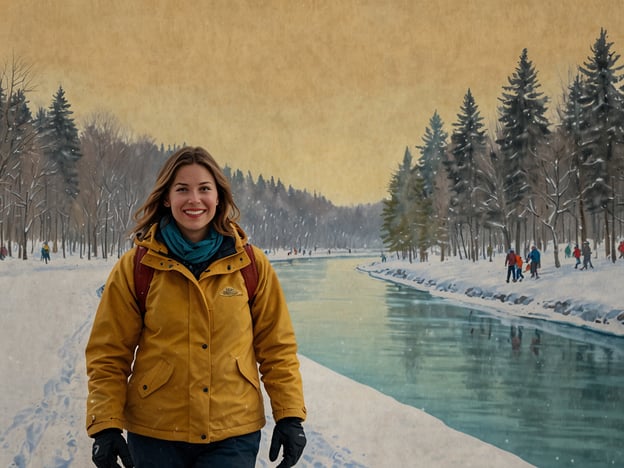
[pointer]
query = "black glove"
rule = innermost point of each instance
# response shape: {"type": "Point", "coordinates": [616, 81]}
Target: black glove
{"type": "Point", "coordinates": [289, 433]}
{"type": "Point", "coordinates": [107, 445]}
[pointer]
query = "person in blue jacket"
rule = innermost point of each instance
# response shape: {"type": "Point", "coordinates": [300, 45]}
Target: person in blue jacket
{"type": "Point", "coordinates": [534, 258]}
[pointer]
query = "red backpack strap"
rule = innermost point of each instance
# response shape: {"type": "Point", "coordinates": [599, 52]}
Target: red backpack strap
{"type": "Point", "coordinates": [250, 274]}
{"type": "Point", "coordinates": [142, 278]}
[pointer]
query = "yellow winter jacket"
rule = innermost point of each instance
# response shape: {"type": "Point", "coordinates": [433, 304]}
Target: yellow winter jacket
{"type": "Point", "coordinates": [188, 370]}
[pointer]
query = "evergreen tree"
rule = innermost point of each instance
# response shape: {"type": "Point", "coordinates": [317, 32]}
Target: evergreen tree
{"type": "Point", "coordinates": [22, 123]}
{"type": "Point", "coordinates": [432, 152]}
{"type": "Point", "coordinates": [63, 143]}
{"type": "Point", "coordinates": [523, 128]}
{"type": "Point", "coordinates": [396, 224]}
{"type": "Point", "coordinates": [602, 103]}
{"type": "Point", "coordinates": [574, 124]}
{"type": "Point", "coordinates": [420, 214]}
{"type": "Point", "coordinates": [467, 144]}
{"type": "Point", "coordinates": [431, 156]}
{"type": "Point", "coordinates": [41, 120]}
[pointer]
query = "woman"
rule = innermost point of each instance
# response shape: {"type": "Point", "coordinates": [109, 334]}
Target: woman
{"type": "Point", "coordinates": [182, 378]}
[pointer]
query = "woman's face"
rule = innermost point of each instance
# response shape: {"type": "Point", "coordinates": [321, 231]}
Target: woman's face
{"type": "Point", "coordinates": [193, 199]}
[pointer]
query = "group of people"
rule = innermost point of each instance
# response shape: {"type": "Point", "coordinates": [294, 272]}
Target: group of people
{"type": "Point", "coordinates": [514, 262]}
{"type": "Point", "coordinates": [585, 252]}
{"type": "Point", "coordinates": [45, 252]}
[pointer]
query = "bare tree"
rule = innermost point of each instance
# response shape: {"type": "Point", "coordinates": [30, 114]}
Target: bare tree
{"type": "Point", "coordinates": [100, 169]}
{"type": "Point", "coordinates": [27, 191]}
{"type": "Point", "coordinates": [555, 163]}
{"type": "Point", "coordinates": [15, 135]}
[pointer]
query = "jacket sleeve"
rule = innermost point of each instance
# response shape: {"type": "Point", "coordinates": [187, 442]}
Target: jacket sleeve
{"type": "Point", "coordinates": [275, 344]}
{"type": "Point", "coordinates": [110, 350]}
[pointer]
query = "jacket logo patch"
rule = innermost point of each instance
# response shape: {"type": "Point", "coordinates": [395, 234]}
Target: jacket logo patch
{"type": "Point", "coordinates": [230, 291]}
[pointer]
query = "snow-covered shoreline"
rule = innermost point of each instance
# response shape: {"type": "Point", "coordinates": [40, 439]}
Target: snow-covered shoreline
{"type": "Point", "coordinates": [591, 299]}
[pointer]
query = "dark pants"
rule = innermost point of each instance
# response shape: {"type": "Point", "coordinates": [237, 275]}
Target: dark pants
{"type": "Point", "coordinates": [511, 272]}
{"type": "Point", "coordinates": [534, 270]}
{"type": "Point", "coordinates": [236, 452]}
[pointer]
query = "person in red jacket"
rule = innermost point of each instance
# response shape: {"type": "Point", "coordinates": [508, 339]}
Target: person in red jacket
{"type": "Point", "coordinates": [621, 249]}
{"type": "Point", "coordinates": [183, 378]}
{"type": "Point", "coordinates": [577, 255]}
{"type": "Point", "coordinates": [510, 263]}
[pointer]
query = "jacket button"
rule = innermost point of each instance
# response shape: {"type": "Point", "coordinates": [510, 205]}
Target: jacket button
{"type": "Point", "coordinates": [144, 387]}
{"type": "Point", "coordinates": [204, 346]}
{"type": "Point", "coordinates": [205, 389]}
{"type": "Point", "coordinates": [203, 437]}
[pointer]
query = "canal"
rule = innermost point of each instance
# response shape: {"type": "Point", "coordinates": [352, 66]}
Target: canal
{"type": "Point", "coordinates": [551, 394]}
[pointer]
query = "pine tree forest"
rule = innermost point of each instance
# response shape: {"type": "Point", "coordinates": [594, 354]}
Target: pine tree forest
{"type": "Point", "coordinates": [529, 181]}
{"type": "Point", "coordinates": [78, 189]}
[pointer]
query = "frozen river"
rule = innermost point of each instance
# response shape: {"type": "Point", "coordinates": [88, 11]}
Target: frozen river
{"type": "Point", "coordinates": [548, 393]}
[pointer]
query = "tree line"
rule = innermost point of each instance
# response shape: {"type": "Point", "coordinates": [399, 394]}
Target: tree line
{"type": "Point", "coordinates": [78, 189]}
{"type": "Point", "coordinates": [528, 181]}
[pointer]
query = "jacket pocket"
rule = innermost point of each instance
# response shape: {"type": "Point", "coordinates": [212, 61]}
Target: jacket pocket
{"type": "Point", "coordinates": [155, 378]}
{"type": "Point", "coordinates": [251, 375]}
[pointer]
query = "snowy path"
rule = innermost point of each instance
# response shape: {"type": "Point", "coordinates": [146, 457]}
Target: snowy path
{"type": "Point", "coordinates": [35, 430]}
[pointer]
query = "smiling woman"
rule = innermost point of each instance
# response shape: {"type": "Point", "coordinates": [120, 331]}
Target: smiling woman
{"type": "Point", "coordinates": [200, 343]}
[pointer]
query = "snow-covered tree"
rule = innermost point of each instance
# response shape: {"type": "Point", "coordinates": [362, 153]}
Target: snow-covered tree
{"type": "Point", "coordinates": [468, 141]}
{"type": "Point", "coordinates": [575, 124]}
{"type": "Point", "coordinates": [63, 142]}
{"type": "Point", "coordinates": [432, 224]}
{"type": "Point", "coordinates": [62, 147]}
{"type": "Point", "coordinates": [432, 152]}
{"type": "Point", "coordinates": [523, 127]}
{"type": "Point", "coordinates": [603, 138]}
{"type": "Point", "coordinates": [27, 173]}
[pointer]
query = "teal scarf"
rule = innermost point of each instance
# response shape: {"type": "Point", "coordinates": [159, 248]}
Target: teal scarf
{"type": "Point", "coordinates": [191, 252]}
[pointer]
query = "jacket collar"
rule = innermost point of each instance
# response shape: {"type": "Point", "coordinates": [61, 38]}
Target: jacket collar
{"type": "Point", "coordinates": [153, 240]}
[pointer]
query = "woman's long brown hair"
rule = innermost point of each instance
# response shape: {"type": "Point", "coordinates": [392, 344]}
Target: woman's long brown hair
{"type": "Point", "coordinates": [153, 210]}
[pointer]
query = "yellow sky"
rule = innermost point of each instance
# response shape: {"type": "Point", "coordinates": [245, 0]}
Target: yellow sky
{"type": "Point", "coordinates": [324, 95]}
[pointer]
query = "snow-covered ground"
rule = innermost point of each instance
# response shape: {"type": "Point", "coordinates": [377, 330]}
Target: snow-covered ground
{"type": "Point", "coordinates": [592, 298]}
{"type": "Point", "coordinates": [46, 313]}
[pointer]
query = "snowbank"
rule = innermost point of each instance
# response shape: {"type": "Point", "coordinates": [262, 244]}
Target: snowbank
{"type": "Point", "coordinates": [592, 299]}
